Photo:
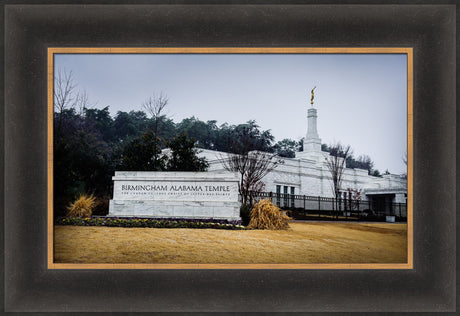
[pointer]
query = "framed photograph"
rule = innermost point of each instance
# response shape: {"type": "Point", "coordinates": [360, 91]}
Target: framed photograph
{"type": "Point", "coordinates": [305, 173]}
{"type": "Point", "coordinates": [112, 48]}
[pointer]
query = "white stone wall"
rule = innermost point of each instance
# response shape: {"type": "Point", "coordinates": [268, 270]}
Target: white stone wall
{"type": "Point", "coordinates": [309, 174]}
{"type": "Point", "coordinates": [175, 195]}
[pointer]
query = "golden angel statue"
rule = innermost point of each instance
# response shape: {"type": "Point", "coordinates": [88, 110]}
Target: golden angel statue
{"type": "Point", "coordinates": [312, 95]}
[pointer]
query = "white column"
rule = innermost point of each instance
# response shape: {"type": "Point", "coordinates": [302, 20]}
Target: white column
{"type": "Point", "coordinates": [312, 131]}
{"type": "Point", "coordinates": [312, 141]}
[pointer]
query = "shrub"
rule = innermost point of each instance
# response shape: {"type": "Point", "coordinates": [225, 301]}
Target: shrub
{"type": "Point", "coordinates": [82, 207]}
{"type": "Point", "coordinates": [265, 215]}
{"type": "Point", "coordinates": [102, 206]}
{"type": "Point", "coordinates": [245, 213]}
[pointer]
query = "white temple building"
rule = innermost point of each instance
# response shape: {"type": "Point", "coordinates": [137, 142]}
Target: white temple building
{"type": "Point", "coordinates": [308, 173]}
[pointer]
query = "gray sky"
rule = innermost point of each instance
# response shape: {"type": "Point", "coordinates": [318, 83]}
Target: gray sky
{"type": "Point", "coordinates": [361, 98]}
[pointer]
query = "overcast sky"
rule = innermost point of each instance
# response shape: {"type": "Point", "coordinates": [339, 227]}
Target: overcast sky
{"type": "Point", "coordinates": [361, 98]}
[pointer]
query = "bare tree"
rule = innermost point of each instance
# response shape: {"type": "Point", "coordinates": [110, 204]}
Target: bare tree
{"type": "Point", "coordinates": [404, 159]}
{"type": "Point", "coordinates": [64, 93]}
{"type": "Point", "coordinates": [252, 167]}
{"type": "Point", "coordinates": [336, 164]}
{"type": "Point", "coordinates": [354, 198]}
{"type": "Point", "coordinates": [82, 102]}
{"type": "Point", "coordinates": [155, 105]}
{"type": "Point", "coordinates": [251, 163]}
{"type": "Point", "coordinates": [64, 87]}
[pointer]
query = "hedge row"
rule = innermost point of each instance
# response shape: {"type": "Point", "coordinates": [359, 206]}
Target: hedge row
{"type": "Point", "coordinates": [150, 222]}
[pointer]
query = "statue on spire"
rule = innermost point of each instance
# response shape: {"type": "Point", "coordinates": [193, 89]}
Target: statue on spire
{"type": "Point", "coordinates": [312, 95]}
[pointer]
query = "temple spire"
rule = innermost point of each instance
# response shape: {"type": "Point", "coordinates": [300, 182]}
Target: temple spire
{"type": "Point", "coordinates": [312, 142]}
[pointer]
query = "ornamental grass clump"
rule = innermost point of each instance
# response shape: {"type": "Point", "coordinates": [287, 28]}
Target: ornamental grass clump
{"type": "Point", "coordinates": [265, 215]}
{"type": "Point", "coordinates": [82, 207]}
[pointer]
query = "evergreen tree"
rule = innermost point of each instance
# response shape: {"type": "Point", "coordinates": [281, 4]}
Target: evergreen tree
{"type": "Point", "coordinates": [129, 125]}
{"type": "Point", "coordinates": [143, 154]}
{"type": "Point", "coordinates": [101, 121]}
{"type": "Point", "coordinates": [184, 155]}
{"type": "Point", "coordinates": [248, 137]}
{"type": "Point", "coordinates": [286, 148]}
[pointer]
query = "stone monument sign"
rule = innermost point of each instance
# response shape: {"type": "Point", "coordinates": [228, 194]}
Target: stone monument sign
{"type": "Point", "coordinates": [175, 195]}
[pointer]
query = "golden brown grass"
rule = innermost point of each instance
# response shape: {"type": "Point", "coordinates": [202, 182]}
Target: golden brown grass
{"type": "Point", "coordinates": [265, 215]}
{"type": "Point", "coordinates": [82, 207]}
{"type": "Point", "coordinates": [314, 242]}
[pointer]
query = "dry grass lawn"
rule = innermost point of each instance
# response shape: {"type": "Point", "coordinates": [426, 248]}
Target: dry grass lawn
{"type": "Point", "coordinates": [310, 242]}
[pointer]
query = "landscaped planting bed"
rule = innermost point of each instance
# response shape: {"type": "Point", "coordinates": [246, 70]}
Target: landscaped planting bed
{"type": "Point", "coordinates": [150, 222]}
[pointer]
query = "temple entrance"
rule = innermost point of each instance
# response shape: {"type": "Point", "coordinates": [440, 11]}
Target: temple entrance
{"type": "Point", "coordinates": [382, 204]}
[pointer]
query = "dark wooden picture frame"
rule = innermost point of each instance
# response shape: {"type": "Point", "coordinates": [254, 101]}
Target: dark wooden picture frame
{"type": "Point", "coordinates": [31, 29]}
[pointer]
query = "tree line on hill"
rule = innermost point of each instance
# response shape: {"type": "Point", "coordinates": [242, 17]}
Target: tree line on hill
{"type": "Point", "coordinates": [90, 145]}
